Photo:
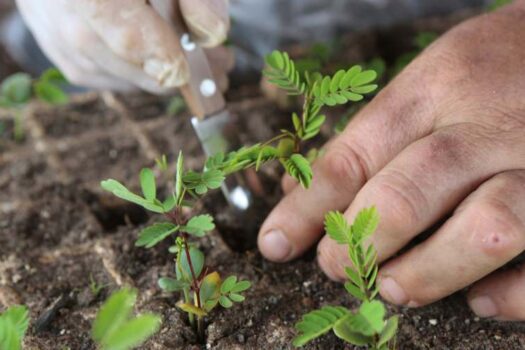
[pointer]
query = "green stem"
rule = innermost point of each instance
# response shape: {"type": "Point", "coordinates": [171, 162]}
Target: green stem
{"type": "Point", "coordinates": [187, 300]}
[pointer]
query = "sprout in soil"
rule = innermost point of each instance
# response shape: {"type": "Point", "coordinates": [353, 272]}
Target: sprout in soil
{"type": "Point", "coordinates": [368, 325]}
{"type": "Point", "coordinates": [201, 286]}
{"type": "Point", "coordinates": [18, 89]}
{"type": "Point", "coordinates": [13, 326]}
{"type": "Point", "coordinates": [115, 328]}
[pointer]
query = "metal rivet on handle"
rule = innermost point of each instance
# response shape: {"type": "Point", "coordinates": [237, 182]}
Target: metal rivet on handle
{"type": "Point", "coordinates": [186, 42]}
{"type": "Point", "coordinates": [208, 88]}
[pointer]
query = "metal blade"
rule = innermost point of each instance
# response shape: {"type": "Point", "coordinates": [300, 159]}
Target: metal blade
{"type": "Point", "coordinates": [218, 133]}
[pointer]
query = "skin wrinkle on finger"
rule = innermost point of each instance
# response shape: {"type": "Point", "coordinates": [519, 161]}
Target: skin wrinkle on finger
{"type": "Point", "coordinates": [485, 234]}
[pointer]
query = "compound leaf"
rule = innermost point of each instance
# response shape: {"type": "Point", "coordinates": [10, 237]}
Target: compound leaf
{"type": "Point", "coordinates": [318, 322]}
{"type": "Point", "coordinates": [365, 223]}
{"type": "Point", "coordinates": [299, 168]}
{"type": "Point", "coordinates": [337, 227]}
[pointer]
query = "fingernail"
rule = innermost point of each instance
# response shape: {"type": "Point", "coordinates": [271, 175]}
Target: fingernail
{"type": "Point", "coordinates": [483, 306]}
{"type": "Point", "coordinates": [210, 33]}
{"type": "Point", "coordinates": [275, 246]}
{"type": "Point", "coordinates": [392, 291]}
{"type": "Point", "coordinates": [167, 74]}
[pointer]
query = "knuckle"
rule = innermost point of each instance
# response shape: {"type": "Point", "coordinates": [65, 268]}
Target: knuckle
{"type": "Point", "coordinates": [344, 166]}
{"type": "Point", "coordinates": [498, 231]}
{"type": "Point", "coordinates": [409, 202]}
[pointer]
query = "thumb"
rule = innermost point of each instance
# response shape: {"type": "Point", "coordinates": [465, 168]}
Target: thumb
{"type": "Point", "coordinates": [208, 20]}
{"type": "Point", "coordinates": [136, 33]}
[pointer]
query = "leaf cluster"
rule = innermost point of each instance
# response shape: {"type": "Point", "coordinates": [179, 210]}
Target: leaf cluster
{"type": "Point", "coordinates": [209, 290]}
{"type": "Point", "coordinates": [19, 88]}
{"type": "Point", "coordinates": [366, 326]}
{"type": "Point", "coordinates": [115, 328]}
{"type": "Point", "coordinates": [13, 326]}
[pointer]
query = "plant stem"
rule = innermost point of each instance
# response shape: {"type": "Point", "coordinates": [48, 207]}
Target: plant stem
{"type": "Point", "coordinates": [187, 300]}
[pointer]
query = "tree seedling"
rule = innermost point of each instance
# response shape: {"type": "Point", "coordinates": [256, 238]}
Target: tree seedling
{"type": "Point", "coordinates": [367, 326]}
{"type": "Point", "coordinates": [115, 328]}
{"type": "Point", "coordinates": [18, 89]}
{"type": "Point", "coordinates": [202, 288]}
{"type": "Point", "coordinates": [13, 326]}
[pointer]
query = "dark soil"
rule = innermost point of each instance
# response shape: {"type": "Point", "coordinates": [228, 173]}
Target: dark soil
{"type": "Point", "coordinates": [59, 232]}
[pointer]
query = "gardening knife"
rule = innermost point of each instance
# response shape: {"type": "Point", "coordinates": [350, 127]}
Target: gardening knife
{"type": "Point", "coordinates": [215, 127]}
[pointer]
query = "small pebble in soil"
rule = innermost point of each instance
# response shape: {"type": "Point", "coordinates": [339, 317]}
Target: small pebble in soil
{"type": "Point", "coordinates": [240, 338]}
{"type": "Point", "coordinates": [467, 321]}
{"type": "Point", "coordinates": [433, 321]}
{"type": "Point", "coordinates": [497, 337]}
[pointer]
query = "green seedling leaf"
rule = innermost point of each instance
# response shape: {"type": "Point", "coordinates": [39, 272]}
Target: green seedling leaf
{"type": "Point", "coordinates": [299, 168]}
{"type": "Point", "coordinates": [13, 326]}
{"type": "Point", "coordinates": [355, 291]}
{"type": "Point", "coordinates": [369, 320]}
{"type": "Point", "coordinates": [228, 284]}
{"type": "Point", "coordinates": [282, 72]}
{"type": "Point", "coordinates": [50, 93]}
{"type": "Point", "coordinates": [155, 233]}
{"type": "Point", "coordinates": [18, 315]}
{"type": "Point", "coordinates": [9, 337]}
{"type": "Point", "coordinates": [238, 298]}
{"type": "Point", "coordinates": [122, 192]}
{"type": "Point", "coordinates": [197, 260]}
{"type": "Point", "coordinates": [178, 177]}
{"type": "Point", "coordinates": [389, 331]}
{"type": "Point", "coordinates": [241, 286]}
{"type": "Point", "coordinates": [147, 183]}
{"type": "Point", "coordinates": [213, 178]}
{"type": "Point", "coordinates": [133, 333]}
{"type": "Point", "coordinates": [338, 228]}
{"type": "Point", "coordinates": [113, 314]}
{"type": "Point", "coordinates": [16, 89]}
{"type": "Point", "coordinates": [192, 309]}
{"type": "Point", "coordinates": [344, 330]}
{"type": "Point", "coordinates": [364, 77]}
{"type": "Point", "coordinates": [365, 224]}
{"type": "Point", "coordinates": [199, 225]}
{"type": "Point", "coordinates": [169, 203]}
{"type": "Point", "coordinates": [318, 322]}
{"type": "Point", "coordinates": [172, 285]}
{"type": "Point", "coordinates": [210, 290]}
{"type": "Point", "coordinates": [53, 76]}
{"type": "Point", "coordinates": [225, 302]}
{"type": "Point", "coordinates": [176, 105]}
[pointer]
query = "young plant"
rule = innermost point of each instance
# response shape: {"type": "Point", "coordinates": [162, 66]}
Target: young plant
{"type": "Point", "coordinates": [202, 288]}
{"type": "Point", "coordinates": [13, 326]}
{"type": "Point", "coordinates": [18, 89]}
{"type": "Point", "coordinates": [367, 325]}
{"type": "Point", "coordinates": [115, 328]}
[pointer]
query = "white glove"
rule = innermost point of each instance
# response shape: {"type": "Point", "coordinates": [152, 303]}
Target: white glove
{"type": "Point", "coordinates": [124, 44]}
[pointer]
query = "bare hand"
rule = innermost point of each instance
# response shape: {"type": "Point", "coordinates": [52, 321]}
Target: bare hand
{"type": "Point", "coordinates": [125, 44]}
{"type": "Point", "coordinates": [446, 136]}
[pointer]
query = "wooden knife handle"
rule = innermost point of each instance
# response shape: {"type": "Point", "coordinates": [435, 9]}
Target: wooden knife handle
{"type": "Point", "coordinates": [202, 93]}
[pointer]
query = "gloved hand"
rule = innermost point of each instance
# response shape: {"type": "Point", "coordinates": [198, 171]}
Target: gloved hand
{"type": "Point", "coordinates": [125, 44]}
{"type": "Point", "coordinates": [446, 136]}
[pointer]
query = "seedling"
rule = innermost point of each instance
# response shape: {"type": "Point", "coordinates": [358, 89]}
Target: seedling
{"type": "Point", "coordinates": [202, 288]}
{"type": "Point", "coordinates": [13, 326]}
{"type": "Point", "coordinates": [94, 286]}
{"type": "Point", "coordinates": [176, 105]}
{"type": "Point", "coordinates": [115, 328]}
{"type": "Point", "coordinates": [367, 326]}
{"type": "Point", "coordinates": [18, 89]}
